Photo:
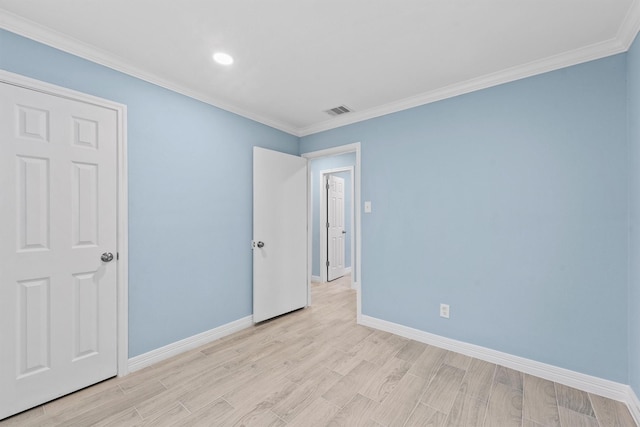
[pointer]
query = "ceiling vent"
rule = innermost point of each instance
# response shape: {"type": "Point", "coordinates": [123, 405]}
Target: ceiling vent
{"type": "Point", "coordinates": [336, 111]}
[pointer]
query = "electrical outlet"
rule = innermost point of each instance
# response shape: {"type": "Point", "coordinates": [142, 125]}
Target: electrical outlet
{"type": "Point", "coordinates": [444, 310]}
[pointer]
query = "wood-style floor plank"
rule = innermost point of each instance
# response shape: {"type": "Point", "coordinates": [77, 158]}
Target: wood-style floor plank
{"type": "Point", "coordinates": [425, 416]}
{"type": "Point", "coordinates": [312, 388]}
{"type": "Point", "coordinates": [428, 363]}
{"type": "Point", "coordinates": [505, 406]}
{"type": "Point", "coordinates": [29, 417]}
{"type": "Point", "coordinates": [355, 413]}
{"type": "Point", "coordinates": [457, 360]}
{"type": "Point", "coordinates": [611, 413]}
{"type": "Point", "coordinates": [399, 404]}
{"type": "Point", "coordinates": [317, 367]}
{"type": "Point", "coordinates": [528, 423]}
{"type": "Point", "coordinates": [92, 415]}
{"type": "Point", "coordinates": [467, 411]}
{"type": "Point", "coordinates": [168, 417]}
{"type": "Point", "coordinates": [411, 351]}
{"type": "Point", "coordinates": [570, 418]}
{"type": "Point", "coordinates": [573, 399]}
{"type": "Point", "coordinates": [345, 389]}
{"type": "Point", "coordinates": [476, 378]}
{"type": "Point", "coordinates": [385, 379]}
{"type": "Point", "coordinates": [509, 377]}
{"type": "Point", "coordinates": [316, 414]}
{"type": "Point", "coordinates": [443, 388]}
{"type": "Point", "coordinates": [540, 401]}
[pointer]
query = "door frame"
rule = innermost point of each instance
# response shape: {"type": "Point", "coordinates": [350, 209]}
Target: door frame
{"type": "Point", "coordinates": [122, 264]}
{"type": "Point", "coordinates": [357, 279]}
{"type": "Point", "coordinates": [323, 220]}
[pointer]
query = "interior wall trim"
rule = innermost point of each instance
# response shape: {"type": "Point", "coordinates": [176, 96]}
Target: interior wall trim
{"type": "Point", "coordinates": [39, 33]}
{"type": "Point", "coordinates": [566, 59]}
{"type": "Point", "coordinates": [606, 388]}
{"type": "Point", "coordinates": [609, 389]}
{"type": "Point", "coordinates": [154, 356]}
{"type": "Point", "coordinates": [633, 403]}
{"type": "Point", "coordinates": [618, 44]}
{"type": "Point", "coordinates": [630, 26]}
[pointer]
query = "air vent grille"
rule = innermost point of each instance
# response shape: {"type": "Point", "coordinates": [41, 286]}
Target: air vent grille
{"type": "Point", "coordinates": [336, 111]}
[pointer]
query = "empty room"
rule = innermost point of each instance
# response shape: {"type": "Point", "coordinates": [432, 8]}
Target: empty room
{"type": "Point", "coordinates": [310, 213]}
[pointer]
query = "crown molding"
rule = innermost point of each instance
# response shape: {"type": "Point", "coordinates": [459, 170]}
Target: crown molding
{"type": "Point", "coordinates": [57, 40]}
{"type": "Point", "coordinates": [575, 57]}
{"type": "Point", "coordinates": [621, 43]}
{"type": "Point", "coordinates": [630, 26]}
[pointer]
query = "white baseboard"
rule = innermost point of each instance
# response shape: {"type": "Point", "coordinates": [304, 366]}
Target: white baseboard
{"type": "Point", "coordinates": [154, 356]}
{"type": "Point", "coordinates": [588, 383]}
{"type": "Point", "coordinates": [347, 270]}
{"type": "Point", "coordinates": [633, 403]}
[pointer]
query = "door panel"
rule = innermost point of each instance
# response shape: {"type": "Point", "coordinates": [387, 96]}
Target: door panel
{"type": "Point", "coordinates": [33, 327]}
{"type": "Point", "coordinates": [32, 184]}
{"type": "Point", "coordinates": [86, 293]}
{"type": "Point", "coordinates": [84, 207]}
{"type": "Point", "coordinates": [280, 224]}
{"type": "Point", "coordinates": [58, 170]}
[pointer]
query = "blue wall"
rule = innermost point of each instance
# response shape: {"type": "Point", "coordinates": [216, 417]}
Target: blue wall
{"type": "Point", "coordinates": [509, 204]}
{"type": "Point", "coordinates": [633, 90]}
{"type": "Point", "coordinates": [190, 196]}
{"type": "Point", "coordinates": [318, 165]}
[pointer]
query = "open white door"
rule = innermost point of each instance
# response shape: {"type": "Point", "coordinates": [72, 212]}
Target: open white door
{"type": "Point", "coordinates": [335, 228]}
{"type": "Point", "coordinates": [279, 233]}
{"type": "Point", "coordinates": [58, 236]}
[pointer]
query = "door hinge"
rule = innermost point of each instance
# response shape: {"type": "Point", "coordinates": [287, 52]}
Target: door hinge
{"type": "Point", "coordinates": [327, 224]}
{"type": "Point", "coordinates": [117, 256]}
{"type": "Point", "coordinates": [328, 185]}
{"type": "Point", "coordinates": [327, 263]}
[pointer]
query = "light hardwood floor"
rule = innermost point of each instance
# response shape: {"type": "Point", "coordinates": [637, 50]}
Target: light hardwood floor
{"type": "Point", "coordinates": [316, 367]}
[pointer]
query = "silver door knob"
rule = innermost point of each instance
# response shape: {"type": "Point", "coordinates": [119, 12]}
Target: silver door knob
{"type": "Point", "coordinates": [106, 257]}
{"type": "Point", "coordinates": [261, 244]}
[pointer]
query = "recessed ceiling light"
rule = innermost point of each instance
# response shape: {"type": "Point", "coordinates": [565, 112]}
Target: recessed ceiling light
{"type": "Point", "coordinates": [223, 58]}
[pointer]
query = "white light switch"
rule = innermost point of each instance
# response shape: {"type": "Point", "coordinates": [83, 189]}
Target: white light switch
{"type": "Point", "coordinates": [367, 207]}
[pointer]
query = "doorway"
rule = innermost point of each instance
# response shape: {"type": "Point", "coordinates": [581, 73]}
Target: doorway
{"type": "Point", "coordinates": [314, 186]}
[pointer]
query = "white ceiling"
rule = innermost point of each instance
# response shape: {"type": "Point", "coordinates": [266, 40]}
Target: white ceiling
{"type": "Point", "coordinates": [296, 58]}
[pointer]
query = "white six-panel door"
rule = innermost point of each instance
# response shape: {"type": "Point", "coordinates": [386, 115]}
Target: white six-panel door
{"type": "Point", "coordinates": [58, 320]}
{"type": "Point", "coordinates": [280, 275]}
{"type": "Point", "coordinates": [335, 228]}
